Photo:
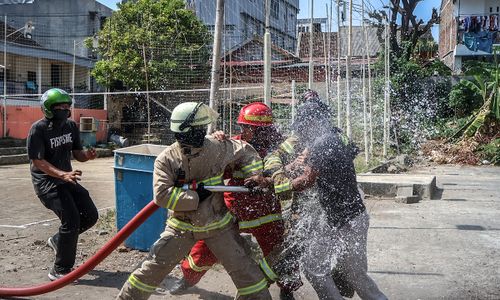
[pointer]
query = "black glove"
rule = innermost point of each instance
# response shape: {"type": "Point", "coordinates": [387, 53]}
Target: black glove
{"type": "Point", "coordinates": [202, 192]}
{"type": "Point", "coordinates": [257, 190]}
{"type": "Point", "coordinates": [181, 178]}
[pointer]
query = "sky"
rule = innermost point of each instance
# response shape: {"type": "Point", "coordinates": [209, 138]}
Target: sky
{"type": "Point", "coordinates": [423, 10]}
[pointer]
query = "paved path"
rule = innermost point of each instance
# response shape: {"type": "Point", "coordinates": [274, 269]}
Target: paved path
{"type": "Point", "coordinates": [435, 249]}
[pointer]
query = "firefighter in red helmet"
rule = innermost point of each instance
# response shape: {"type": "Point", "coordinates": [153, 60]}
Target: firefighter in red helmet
{"type": "Point", "coordinates": [258, 214]}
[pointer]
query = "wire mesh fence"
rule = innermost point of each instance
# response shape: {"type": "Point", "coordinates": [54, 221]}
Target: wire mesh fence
{"type": "Point", "coordinates": [147, 74]}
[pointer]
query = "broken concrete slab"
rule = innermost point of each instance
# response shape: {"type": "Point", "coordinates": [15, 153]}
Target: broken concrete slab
{"type": "Point", "coordinates": [407, 199]}
{"type": "Point", "coordinates": [386, 185]}
{"type": "Point", "coordinates": [14, 159]}
{"type": "Point", "coordinates": [405, 190]}
{"type": "Point", "coordinates": [405, 193]}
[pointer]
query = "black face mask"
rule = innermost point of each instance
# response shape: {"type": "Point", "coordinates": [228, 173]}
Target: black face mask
{"type": "Point", "coordinates": [193, 138]}
{"type": "Point", "coordinates": [61, 114]}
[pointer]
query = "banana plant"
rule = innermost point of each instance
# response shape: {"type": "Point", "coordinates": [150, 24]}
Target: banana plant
{"type": "Point", "coordinates": [487, 84]}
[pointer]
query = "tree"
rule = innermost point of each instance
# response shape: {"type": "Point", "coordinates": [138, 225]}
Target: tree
{"type": "Point", "coordinates": [405, 34]}
{"type": "Point", "coordinates": [155, 39]}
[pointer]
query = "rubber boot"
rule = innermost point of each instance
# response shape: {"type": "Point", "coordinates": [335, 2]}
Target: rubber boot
{"type": "Point", "coordinates": [179, 287]}
{"type": "Point", "coordinates": [286, 295]}
{"type": "Point", "coordinates": [345, 287]}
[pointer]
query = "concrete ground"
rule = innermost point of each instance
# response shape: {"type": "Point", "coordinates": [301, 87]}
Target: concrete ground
{"type": "Point", "coordinates": [434, 249]}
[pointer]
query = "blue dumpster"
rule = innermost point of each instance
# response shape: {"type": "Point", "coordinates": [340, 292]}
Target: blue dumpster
{"type": "Point", "coordinates": [134, 190]}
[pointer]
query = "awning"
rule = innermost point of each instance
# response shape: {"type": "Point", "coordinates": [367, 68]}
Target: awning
{"type": "Point", "coordinates": [43, 53]}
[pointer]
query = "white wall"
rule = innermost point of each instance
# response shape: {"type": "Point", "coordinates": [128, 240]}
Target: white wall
{"type": "Point", "coordinates": [494, 4]}
{"type": "Point", "coordinates": [472, 7]}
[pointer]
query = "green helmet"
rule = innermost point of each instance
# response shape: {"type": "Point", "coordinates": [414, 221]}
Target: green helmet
{"type": "Point", "coordinates": [188, 114]}
{"type": "Point", "coordinates": [51, 98]}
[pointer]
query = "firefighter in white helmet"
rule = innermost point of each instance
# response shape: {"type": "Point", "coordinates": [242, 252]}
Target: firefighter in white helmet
{"type": "Point", "coordinates": [198, 214]}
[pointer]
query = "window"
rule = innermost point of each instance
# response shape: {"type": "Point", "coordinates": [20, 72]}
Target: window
{"type": "Point", "coordinates": [103, 21]}
{"type": "Point", "coordinates": [275, 7]}
{"type": "Point", "coordinates": [55, 75]}
{"type": "Point", "coordinates": [31, 76]}
{"type": "Point", "coordinates": [9, 74]}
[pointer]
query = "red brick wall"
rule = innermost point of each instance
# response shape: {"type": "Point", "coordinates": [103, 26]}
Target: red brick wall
{"type": "Point", "coordinates": [447, 33]}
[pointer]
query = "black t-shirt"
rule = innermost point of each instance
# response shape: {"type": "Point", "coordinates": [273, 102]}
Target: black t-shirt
{"type": "Point", "coordinates": [53, 142]}
{"type": "Point", "coordinates": [337, 187]}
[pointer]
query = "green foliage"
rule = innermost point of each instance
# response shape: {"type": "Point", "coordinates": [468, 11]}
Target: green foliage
{"type": "Point", "coordinates": [419, 98]}
{"type": "Point", "coordinates": [486, 82]}
{"type": "Point", "coordinates": [445, 128]}
{"type": "Point", "coordinates": [436, 68]}
{"type": "Point", "coordinates": [173, 40]}
{"type": "Point", "coordinates": [463, 100]}
{"type": "Point", "coordinates": [362, 167]}
{"type": "Point", "coordinates": [491, 151]}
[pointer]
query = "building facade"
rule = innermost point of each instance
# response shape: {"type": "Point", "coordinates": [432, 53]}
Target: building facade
{"type": "Point", "coordinates": [45, 45]}
{"type": "Point", "coordinates": [244, 19]}
{"type": "Point", "coordinates": [468, 31]}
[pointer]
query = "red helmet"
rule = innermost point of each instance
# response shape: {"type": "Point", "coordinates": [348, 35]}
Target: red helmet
{"type": "Point", "coordinates": [309, 95]}
{"type": "Point", "coordinates": [256, 114]}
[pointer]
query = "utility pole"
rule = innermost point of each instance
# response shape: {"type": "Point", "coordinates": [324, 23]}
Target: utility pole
{"type": "Point", "coordinates": [365, 122]}
{"type": "Point", "coordinates": [5, 77]}
{"type": "Point", "coordinates": [386, 90]}
{"type": "Point", "coordinates": [339, 102]}
{"type": "Point", "coordinates": [348, 75]}
{"type": "Point", "coordinates": [267, 57]}
{"type": "Point", "coordinates": [294, 102]}
{"type": "Point", "coordinates": [327, 55]}
{"type": "Point", "coordinates": [311, 35]}
{"type": "Point", "coordinates": [370, 113]}
{"type": "Point", "coordinates": [147, 92]}
{"type": "Point", "coordinates": [214, 83]}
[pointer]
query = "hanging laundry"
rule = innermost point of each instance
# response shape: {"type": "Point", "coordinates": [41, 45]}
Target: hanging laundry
{"type": "Point", "coordinates": [485, 41]}
{"type": "Point", "coordinates": [482, 41]}
{"type": "Point", "coordinates": [470, 41]}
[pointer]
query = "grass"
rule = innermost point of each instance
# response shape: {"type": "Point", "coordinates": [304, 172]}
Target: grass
{"type": "Point", "coordinates": [362, 167]}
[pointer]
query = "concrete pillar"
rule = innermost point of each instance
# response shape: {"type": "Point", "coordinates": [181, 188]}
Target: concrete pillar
{"type": "Point", "coordinates": [457, 66]}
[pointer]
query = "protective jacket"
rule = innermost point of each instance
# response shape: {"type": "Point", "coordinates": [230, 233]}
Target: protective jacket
{"type": "Point", "coordinates": [258, 214]}
{"type": "Point", "coordinates": [203, 165]}
{"type": "Point", "coordinates": [193, 219]}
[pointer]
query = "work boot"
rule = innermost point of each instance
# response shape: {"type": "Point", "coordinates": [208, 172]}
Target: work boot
{"type": "Point", "coordinates": [52, 244]}
{"type": "Point", "coordinates": [286, 295]}
{"type": "Point", "coordinates": [179, 287]}
{"type": "Point", "coordinates": [55, 275]}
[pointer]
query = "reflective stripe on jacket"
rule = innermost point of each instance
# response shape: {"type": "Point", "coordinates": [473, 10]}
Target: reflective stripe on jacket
{"type": "Point", "coordinates": [205, 165]}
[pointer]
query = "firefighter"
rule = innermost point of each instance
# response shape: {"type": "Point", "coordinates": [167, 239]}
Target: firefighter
{"type": "Point", "coordinates": [257, 214]}
{"type": "Point", "coordinates": [287, 162]}
{"type": "Point", "coordinates": [197, 214]}
{"type": "Point", "coordinates": [340, 221]}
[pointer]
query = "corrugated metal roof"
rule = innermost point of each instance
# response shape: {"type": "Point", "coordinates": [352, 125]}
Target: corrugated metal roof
{"type": "Point", "coordinates": [358, 42]}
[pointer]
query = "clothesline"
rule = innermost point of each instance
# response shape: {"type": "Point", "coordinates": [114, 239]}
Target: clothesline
{"type": "Point", "coordinates": [479, 15]}
{"type": "Point", "coordinates": [476, 23]}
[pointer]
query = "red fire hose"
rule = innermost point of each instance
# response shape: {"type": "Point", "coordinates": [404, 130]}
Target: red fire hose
{"type": "Point", "coordinates": [89, 264]}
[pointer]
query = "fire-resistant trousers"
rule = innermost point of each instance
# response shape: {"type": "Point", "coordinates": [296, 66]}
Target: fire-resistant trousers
{"type": "Point", "coordinates": [348, 245]}
{"type": "Point", "coordinates": [269, 237]}
{"type": "Point", "coordinates": [226, 243]}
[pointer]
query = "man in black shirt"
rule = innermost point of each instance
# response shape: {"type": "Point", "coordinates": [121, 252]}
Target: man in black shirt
{"type": "Point", "coordinates": [51, 142]}
{"type": "Point", "coordinates": [339, 218]}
